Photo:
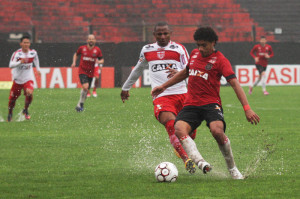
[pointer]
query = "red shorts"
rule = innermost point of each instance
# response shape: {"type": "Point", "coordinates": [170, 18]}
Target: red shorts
{"type": "Point", "coordinates": [17, 88]}
{"type": "Point", "coordinates": [96, 71]}
{"type": "Point", "coordinates": [168, 103]}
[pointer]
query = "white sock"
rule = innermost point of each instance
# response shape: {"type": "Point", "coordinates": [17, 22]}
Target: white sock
{"type": "Point", "coordinates": [264, 82]}
{"type": "Point", "coordinates": [227, 153]}
{"type": "Point", "coordinates": [190, 148]}
{"type": "Point", "coordinates": [82, 98]}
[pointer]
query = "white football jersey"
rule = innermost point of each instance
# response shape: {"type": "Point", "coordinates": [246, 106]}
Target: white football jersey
{"type": "Point", "coordinates": [22, 73]}
{"type": "Point", "coordinates": [157, 59]}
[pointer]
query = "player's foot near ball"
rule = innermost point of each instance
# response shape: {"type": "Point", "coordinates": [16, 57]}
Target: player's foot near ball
{"type": "Point", "coordinates": [9, 117]}
{"type": "Point", "coordinates": [26, 114]}
{"type": "Point", "coordinates": [190, 166]}
{"type": "Point", "coordinates": [250, 90]}
{"type": "Point", "coordinates": [95, 94]}
{"type": "Point", "coordinates": [236, 174]}
{"type": "Point", "coordinates": [266, 93]}
{"type": "Point", "coordinates": [204, 166]}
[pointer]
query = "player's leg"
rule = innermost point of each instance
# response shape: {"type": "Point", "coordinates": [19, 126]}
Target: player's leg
{"type": "Point", "coordinates": [96, 76]}
{"type": "Point", "coordinates": [15, 92]}
{"type": "Point", "coordinates": [168, 119]}
{"type": "Point", "coordinates": [264, 79]}
{"type": "Point", "coordinates": [182, 130]}
{"type": "Point", "coordinates": [95, 86]}
{"type": "Point", "coordinates": [28, 92]}
{"type": "Point", "coordinates": [85, 82]}
{"type": "Point", "coordinates": [259, 69]}
{"type": "Point", "coordinates": [217, 130]}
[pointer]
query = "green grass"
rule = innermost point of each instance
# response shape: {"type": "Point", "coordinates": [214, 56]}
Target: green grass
{"type": "Point", "coordinates": [111, 149]}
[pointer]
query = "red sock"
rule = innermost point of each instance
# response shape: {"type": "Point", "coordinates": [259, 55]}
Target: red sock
{"type": "Point", "coordinates": [193, 135]}
{"type": "Point", "coordinates": [174, 140]}
{"type": "Point", "coordinates": [28, 100]}
{"type": "Point", "coordinates": [12, 101]}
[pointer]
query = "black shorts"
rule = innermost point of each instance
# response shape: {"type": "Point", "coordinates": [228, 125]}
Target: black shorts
{"type": "Point", "coordinates": [260, 68]}
{"type": "Point", "coordinates": [85, 79]}
{"type": "Point", "coordinates": [194, 115]}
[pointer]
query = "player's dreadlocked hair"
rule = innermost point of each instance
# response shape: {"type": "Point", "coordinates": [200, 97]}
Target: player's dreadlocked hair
{"type": "Point", "coordinates": [205, 34]}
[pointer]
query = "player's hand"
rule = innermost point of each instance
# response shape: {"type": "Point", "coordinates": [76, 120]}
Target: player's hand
{"type": "Point", "coordinates": [157, 90]}
{"type": "Point", "coordinates": [171, 72]}
{"type": "Point", "coordinates": [267, 55]}
{"type": "Point", "coordinates": [256, 59]}
{"type": "Point", "coordinates": [124, 95]}
{"type": "Point", "coordinates": [73, 65]}
{"type": "Point", "coordinates": [24, 60]}
{"type": "Point", "coordinates": [39, 73]}
{"type": "Point", "coordinates": [252, 117]}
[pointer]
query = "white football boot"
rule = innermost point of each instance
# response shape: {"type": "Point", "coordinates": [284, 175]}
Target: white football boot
{"type": "Point", "coordinates": [235, 173]}
{"type": "Point", "coordinates": [204, 166]}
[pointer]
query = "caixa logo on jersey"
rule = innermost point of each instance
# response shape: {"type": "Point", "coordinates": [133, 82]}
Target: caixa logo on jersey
{"type": "Point", "coordinates": [198, 73]}
{"type": "Point", "coordinates": [160, 67]}
{"type": "Point", "coordinates": [161, 54]}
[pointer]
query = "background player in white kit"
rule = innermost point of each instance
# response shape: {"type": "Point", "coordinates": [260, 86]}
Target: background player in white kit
{"type": "Point", "coordinates": [21, 63]}
{"type": "Point", "coordinates": [164, 58]}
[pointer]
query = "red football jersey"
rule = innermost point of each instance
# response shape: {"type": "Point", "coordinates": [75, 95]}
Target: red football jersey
{"type": "Point", "coordinates": [88, 59]}
{"type": "Point", "coordinates": [260, 51]}
{"type": "Point", "coordinates": [204, 78]}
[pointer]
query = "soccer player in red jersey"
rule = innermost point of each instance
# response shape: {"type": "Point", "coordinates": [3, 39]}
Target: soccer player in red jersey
{"type": "Point", "coordinates": [21, 63]}
{"type": "Point", "coordinates": [203, 102]}
{"type": "Point", "coordinates": [90, 56]}
{"type": "Point", "coordinates": [164, 59]}
{"type": "Point", "coordinates": [261, 53]}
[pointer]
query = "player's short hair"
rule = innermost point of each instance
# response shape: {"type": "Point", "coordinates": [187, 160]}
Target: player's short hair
{"type": "Point", "coordinates": [206, 34]}
{"type": "Point", "coordinates": [161, 23]}
{"type": "Point", "coordinates": [24, 37]}
{"type": "Point", "coordinates": [262, 37]}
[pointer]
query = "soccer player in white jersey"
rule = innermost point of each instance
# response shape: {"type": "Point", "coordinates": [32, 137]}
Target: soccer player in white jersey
{"type": "Point", "coordinates": [164, 59]}
{"type": "Point", "coordinates": [21, 63]}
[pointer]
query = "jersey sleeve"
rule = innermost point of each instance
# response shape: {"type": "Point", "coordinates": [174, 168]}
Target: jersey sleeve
{"type": "Point", "coordinates": [13, 63]}
{"type": "Point", "coordinates": [100, 56]}
{"type": "Point", "coordinates": [184, 57]}
{"type": "Point", "coordinates": [253, 52]}
{"type": "Point", "coordinates": [79, 50]}
{"type": "Point", "coordinates": [136, 72]}
{"type": "Point", "coordinates": [226, 69]}
{"type": "Point", "coordinates": [36, 61]}
{"type": "Point", "coordinates": [271, 53]}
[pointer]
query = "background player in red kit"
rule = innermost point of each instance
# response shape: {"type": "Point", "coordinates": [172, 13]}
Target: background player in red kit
{"type": "Point", "coordinates": [21, 63]}
{"type": "Point", "coordinates": [90, 55]}
{"type": "Point", "coordinates": [163, 59]}
{"type": "Point", "coordinates": [203, 102]}
{"type": "Point", "coordinates": [261, 53]}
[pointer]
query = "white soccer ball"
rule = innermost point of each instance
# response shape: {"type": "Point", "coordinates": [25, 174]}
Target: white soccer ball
{"type": "Point", "coordinates": [166, 172]}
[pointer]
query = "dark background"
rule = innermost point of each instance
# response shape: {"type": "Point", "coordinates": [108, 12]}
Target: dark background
{"type": "Point", "coordinates": [127, 54]}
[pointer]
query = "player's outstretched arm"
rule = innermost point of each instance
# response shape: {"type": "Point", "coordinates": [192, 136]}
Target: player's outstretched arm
{"type": "Point", "coordinates": [250, 114]}
{"type": "Point", "coordinates": [178, 77]}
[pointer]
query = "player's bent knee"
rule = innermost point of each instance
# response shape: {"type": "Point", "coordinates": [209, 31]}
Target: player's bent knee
{"type": "Point", "coordinates": [182, 128]}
